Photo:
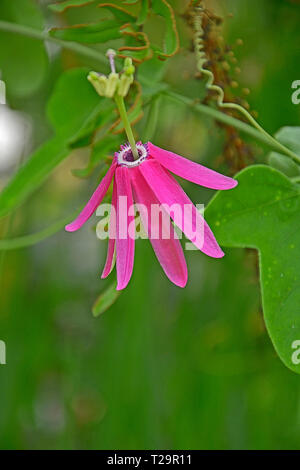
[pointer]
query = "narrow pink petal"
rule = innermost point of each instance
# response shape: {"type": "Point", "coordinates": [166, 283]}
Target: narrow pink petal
{"type": "Point", "coordinates": [94, 202]}
{"type": "Point", "coordinates": [169, 192]}
{"type": "Point", "coordinates": [124, 242]}
{"type": "Point", "coordinates": [168, 251]}
{"type": "Point", "coordinates": [109, 264]}
{"type": "Point", "coordinates": [191, 171]}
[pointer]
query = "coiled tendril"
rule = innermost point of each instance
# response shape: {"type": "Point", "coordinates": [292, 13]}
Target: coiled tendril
{"type": "Point", "coordinates": [202, 59]}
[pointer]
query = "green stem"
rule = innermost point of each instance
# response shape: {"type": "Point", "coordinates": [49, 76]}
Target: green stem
{"type": "Point", "coordinates": [264, 137]}
{"type": "Point", "coordinates": [32, 239]}
{"type": "Point", "coordinates": [123, 113]}
{"type": "Point", "coordinates": [44, 36]}
{"type": "Point", "coordinates": [152, 119]}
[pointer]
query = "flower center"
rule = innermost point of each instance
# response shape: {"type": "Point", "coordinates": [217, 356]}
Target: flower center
{"type": "Point", "coordinates": [125, 156]}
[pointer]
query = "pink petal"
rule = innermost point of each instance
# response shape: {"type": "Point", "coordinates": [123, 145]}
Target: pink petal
{"type": "Point", "coordinates": [94, 202]}
{"type": "Point", "coordinates": [124, 243]}
{"type": "Point", "coordinates": [109, 264]}
{"type": "Point", "coordinates": [191, 171]}
{"type": "Point", "coordinates": [168, 251]}
{"type": "Point", "coordinates": [169, 192]}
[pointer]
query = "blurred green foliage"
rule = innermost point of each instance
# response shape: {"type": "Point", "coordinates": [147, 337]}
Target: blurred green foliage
{"type": "Point", "coordinates": [163, 367]}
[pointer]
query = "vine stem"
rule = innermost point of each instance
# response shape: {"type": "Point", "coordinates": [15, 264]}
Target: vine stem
{"type": "Point", "coordinates": [44, 36]}
{"type": "Point", "coordinates": [32, 239]}
{"type": "Point", "coordinates": [264, 137]}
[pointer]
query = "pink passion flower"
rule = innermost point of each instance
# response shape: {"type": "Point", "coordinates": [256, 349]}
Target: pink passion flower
{"type": "Point", "coordinates": [148, 181]}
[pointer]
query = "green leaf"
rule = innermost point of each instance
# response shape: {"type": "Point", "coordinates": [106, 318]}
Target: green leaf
{"type": "Point", "coordinates": [23, 61]}
{"type": "Point", "coordinates": [171, 40]}
{"type": "Point", "coordinates": [62, 6]}
{"type": "Point", "coordinates": [290, 137]}
{"type": "Point", "coordinates": [73, 110]}
{"type": "Point", "coordinates": [155, 69]}
{"type": "Point", "coordinates": [263, 213]}
{"type": "Point", "coordinates": [74, 105]}
{"type": "Point", "coordinates": [101, 151]}
{"type": "Point", "coordinates": [152, 119]}
{"type": "Point", "coordinates": [137, 45]}
{"type": "Point", "coordinates": [90, 33]}
{"type": "Point", "coordinates": [32, 174]}
{"type": "Point", "coordinates": [143, 12]}
{"type": "Point", "coordinates": [106, 299]}
{"type": "Point", "coordinates": [121, 15]}
{"type": "Point", "coordinates": [284, 164]}
{"type": "Point", "coordinates": [97, 121]}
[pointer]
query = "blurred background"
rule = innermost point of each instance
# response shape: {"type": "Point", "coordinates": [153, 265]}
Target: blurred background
{"type": "Point", "coordinates": [163, 368]}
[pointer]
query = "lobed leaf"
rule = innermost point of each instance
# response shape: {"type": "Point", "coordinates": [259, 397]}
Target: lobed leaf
{"type": "Point", "coordinates": [263, 213]}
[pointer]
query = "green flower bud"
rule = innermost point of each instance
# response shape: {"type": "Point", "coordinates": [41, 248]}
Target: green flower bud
{"type": "Point", "coordinates": [129, 68]}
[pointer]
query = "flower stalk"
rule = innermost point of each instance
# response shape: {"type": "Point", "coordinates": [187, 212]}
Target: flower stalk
{"type": "Point", "coordinates": [123, 114]}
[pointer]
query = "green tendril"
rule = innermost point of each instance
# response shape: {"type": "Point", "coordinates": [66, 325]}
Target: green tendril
{"type": "Point", "coordinates": [211, 86]}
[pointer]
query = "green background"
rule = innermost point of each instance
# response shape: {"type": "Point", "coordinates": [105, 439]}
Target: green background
{"type": "Point", "coordinates": [163, 368]}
